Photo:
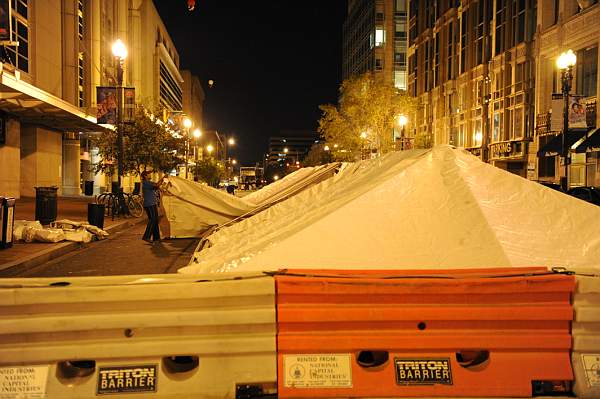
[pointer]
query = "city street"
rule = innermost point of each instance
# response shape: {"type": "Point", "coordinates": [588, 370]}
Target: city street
{"type": "Point", "coordinates": [121, 254]}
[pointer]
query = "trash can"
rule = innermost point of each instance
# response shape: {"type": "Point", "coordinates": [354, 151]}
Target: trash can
{"type": "Point", "coordinates": [7, 218]}
{"type": "Point", "coordinates": [88, 187]}
{"type": "Point", "coordinates": [46, 204]}
{"type": "Point", "coordinates": [96, 215]}
{"type": "Point", "coordinates": [114, 187]}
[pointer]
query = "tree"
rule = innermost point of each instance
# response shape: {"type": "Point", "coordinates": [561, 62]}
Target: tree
{"type": "Point", "coordinates": [147, 143]}
{"type": "Point", "coordinates": [369, 107]}
{"type": "Point", "coordinates": [209, 171]}
{"type": "Point", "coordinates": [317, 155]}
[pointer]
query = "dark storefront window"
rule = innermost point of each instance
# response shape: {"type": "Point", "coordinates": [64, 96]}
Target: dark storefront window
{"type": "Point", "coordinates": [587, 71]}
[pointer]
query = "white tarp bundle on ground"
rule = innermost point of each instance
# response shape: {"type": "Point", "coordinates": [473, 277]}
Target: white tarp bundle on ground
{"type": "Point", "coordinates": [437, 208]}
{"type": "Point", "coordinates": [191, 208]}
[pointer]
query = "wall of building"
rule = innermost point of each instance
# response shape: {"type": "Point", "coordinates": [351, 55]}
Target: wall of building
{"type": "Point", "coordinates": [10, 160]}
{"type": "Point", "coordinates": [41, 159]}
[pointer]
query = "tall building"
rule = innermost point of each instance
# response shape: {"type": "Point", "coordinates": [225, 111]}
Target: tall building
{"type": "Point", "coordinates": [289, 147]}
{"type": "Point", "coordinates": [485, 74]}
{"type": "Point", "coordinates": [567, 25]}
{"type": "Point", "coordinates": [48, 85]}
{"type": "Point", "coordinates": [375, 40]}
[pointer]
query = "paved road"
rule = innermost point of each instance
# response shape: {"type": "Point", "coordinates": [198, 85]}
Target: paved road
{"type": "Point", "coordinates": [123, 253]}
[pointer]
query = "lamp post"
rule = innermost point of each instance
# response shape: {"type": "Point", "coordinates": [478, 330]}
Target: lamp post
{"type": "Point", "coordinates": [565, 63]}
{"type": "Point", "coordinates": [197, 134]}
{"type": "Point", "coordinates": [187, 124]}
{"type": "Point", "coordinates": [363, 137]}
{"type": "Point", "coordinates": [402, 120]}
{"type": "Point", "coordinates": [120, 53]}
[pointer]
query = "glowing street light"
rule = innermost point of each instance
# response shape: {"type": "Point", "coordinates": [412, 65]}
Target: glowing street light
{"type": "Point", "coordinates": [326, 148]}
{"type": "Point", "coordinates": [197, 133]}
{"type": "Point", "coordinates": [209, 148]}
{"type": "Point", "coordinates": [120, 53]}
{"type": "Point", "coordinates": [565, 62]}
{"type": "Point", "coordinates": [402, 121]}
{"type": "Point", "coordinates": [187, 124]}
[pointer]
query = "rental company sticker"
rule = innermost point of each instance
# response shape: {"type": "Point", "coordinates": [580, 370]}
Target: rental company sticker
{"type": "Point", "coordinates": [591, 365]}
{"type": "Point", "coordinates": [127, 379]}
{"type": "Point", "coordinates": [24, 382]}
{"type": "Point", "coordinates": [317, 371]}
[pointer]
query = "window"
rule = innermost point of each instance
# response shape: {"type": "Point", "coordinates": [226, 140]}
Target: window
{"type": "Point", "coordinates": [19, 56]}
{"type": "Point", "coordinates": [401, 6]}
{"type": "Point", "coordinates": [518, 116]}
{"type": "Point", "coordinates": [378, 64]}
{"type": "Point", "coordinates": [379, 37]}
{"type": "Point", "coordinates": [587, 71]}
{"type": "Point", "coordinates": [500, 23]}
{"type": "Point", "coordinates": [450, 51]}
{"type": "Point", "coordinates": [436, 61]}
{"type": "Point", "coordinates": [400, 31]}
{"type": "Point", "coordinates": [463, 42]}
{"type": "Point", "coordinates": [519, 76]}
{"type": "Point", "coordinates": [519, 21]}
{"type": "Point", "coordinates": [497, 127]}
{"type": "Point", "coordinates": [81, 80]}
{"type": "Point", "coordinates": [80, 20]}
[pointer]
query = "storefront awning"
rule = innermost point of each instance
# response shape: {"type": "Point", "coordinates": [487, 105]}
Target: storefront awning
{"type": "Point", "coordinates": [32, 105]}
{"type": "Point", "coordinates": [592, 143]}
{"type": "Point", "coordinates": [554, 146]}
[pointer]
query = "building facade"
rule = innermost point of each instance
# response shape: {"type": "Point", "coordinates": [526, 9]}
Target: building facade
{"type": "Point", "coordinates": [375, 40]}
{"type": "Point", "coordinates": [567, 25]}
{"type": "Point", "coordinates": [48, 86]}
{"type": "Point", "coordinates": [485, 72]}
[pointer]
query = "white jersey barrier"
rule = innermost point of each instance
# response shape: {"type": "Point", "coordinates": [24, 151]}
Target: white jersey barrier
{"type": "Point", "coordinates": [167, 336]}
{"type": "Point", "coordinates": [173, 336]}
{"type": "Point", "coordinates": [586, 337]}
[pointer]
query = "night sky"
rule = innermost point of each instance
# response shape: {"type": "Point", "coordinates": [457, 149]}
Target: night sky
{"type": "Point", "coordinates": [273, 63]}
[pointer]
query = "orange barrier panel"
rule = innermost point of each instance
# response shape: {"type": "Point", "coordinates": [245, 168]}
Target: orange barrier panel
{"type": "Point", "coordinates": [486, 333]}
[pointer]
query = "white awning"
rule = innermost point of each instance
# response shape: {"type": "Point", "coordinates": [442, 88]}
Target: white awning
{"type": "Point", "coordinates": [32, 105]}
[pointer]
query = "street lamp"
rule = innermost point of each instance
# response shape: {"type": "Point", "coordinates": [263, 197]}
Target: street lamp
{"type": "Point", "coordinates": [187, 124]}
{"type": "Point", "coordinates": [565, 63]}
{"type": "Point", "coordinates": [209, 149]}
{"type": "Point", "coordinates": [197, 133]}
{"type": "Point", "coordinates": [120, 52]}
{"type": "Point", "coordinates": [363, 137]}
{"type": "Point", "coordinates": [402, 121]}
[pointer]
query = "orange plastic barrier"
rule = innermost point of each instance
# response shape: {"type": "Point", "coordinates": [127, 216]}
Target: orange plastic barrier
{"type": "Point", "coordinates": [486, 333]}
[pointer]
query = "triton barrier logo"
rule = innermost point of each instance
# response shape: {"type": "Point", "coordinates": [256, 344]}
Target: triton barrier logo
{"type": "Point", "coordinates": [127, 379]}
{"type": "Point", "coordinates": [423, 371]}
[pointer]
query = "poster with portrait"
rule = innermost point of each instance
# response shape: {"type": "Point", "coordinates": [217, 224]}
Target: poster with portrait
{"type": "Point", "coordinates": [128, 104]}
{"type": "Point", "coordinates": [4, 20]}
{"type": "Point", "coordinates": [577, 108]}
{"type": "Point", "coordinates": [106, 99]}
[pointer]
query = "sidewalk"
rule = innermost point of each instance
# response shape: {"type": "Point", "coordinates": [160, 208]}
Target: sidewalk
{"type": "Point", "coordinates": [73, 208]}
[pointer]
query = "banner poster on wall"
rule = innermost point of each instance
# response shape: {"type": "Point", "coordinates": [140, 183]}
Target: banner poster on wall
{"type": "Point", "coordinates": [4, 20]}
{"type": "Point", "coordinates": [106, 99]}
{"type": "Point", "coordinates": [577, 109]}
{"type": "Point", "coordinates": [577, 112]}
{"type": "Point", "coordinates": [128, 104]}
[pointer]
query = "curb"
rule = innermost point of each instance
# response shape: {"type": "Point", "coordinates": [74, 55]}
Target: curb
{"type": "Point", "coordinates": [62, 248]}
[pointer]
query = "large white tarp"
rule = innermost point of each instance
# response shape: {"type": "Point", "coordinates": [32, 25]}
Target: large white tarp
{"type": "Point", "coordinates": [191, 208]}
{"type": "Point", "coordinates": [438, 208]}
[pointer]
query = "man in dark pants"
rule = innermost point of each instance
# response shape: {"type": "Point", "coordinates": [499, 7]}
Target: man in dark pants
{"type": "Point", "coordinates": [151, 206]}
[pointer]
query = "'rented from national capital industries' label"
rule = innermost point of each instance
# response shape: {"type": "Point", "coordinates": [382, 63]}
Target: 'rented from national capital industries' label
{"type": "Point", "coordinates": [127, 379]}
{"type": "Point", "coordinates": [423, 371]}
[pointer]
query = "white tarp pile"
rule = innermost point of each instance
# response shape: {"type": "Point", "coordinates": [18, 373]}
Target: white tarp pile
{"type": "Point", "coordinates": [437, 209]}
{"type": "Point", "coordinates": [62, 230]}
{"type": "Point", "coordinates": [191, 208]}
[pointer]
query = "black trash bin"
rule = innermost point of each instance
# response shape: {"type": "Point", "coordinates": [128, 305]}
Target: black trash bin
{"type": "Point", "coordinates": [88, 187]}
{"type": "Point", "coordinates": [7, 218]}
{"type": "Point", "coordinates": [114, 187]}
{"type": "Point", "coordinates": [96, 215]}
{"type": "Point", "coordinates": [46, 204]}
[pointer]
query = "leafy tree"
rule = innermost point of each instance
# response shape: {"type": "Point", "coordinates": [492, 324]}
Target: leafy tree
{"type": "Point", "coordinates": [209, 171]}
{"type": "Point", "coordinates": [369, 106]}
{"type": "Point", "coordinates": [147, 144]}
{"type": "Point", "coordinates": [317, 155]}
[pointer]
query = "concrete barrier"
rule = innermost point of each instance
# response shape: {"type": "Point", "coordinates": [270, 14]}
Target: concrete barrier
{"type": "Point", "coordinates": [173, 336]}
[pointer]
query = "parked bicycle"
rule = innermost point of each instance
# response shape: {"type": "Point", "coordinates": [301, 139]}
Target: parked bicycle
{"type": "Point", "coordinates": [121, 204]}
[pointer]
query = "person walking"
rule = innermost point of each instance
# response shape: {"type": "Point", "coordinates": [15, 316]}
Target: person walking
{"type": "Point", "coordinates": [151, 206]}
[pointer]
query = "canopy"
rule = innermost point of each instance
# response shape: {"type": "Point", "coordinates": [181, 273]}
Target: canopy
{"type": "Point", "coordinates": [192, 208]}
{"type": "Point", "coordinates": [437, 209]}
